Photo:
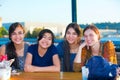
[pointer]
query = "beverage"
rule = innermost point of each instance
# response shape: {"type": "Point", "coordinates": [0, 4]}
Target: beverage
{"type": "Point", "coordinates": [85, 73]}
{"type": "Point", "coordinates": [5, 73]}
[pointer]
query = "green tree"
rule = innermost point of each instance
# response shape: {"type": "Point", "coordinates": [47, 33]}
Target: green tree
{"type": "Point", "coordinates": [3, 32]}
{"type": "Point", "coordinates": [28, 35]}
{"type": "Point", "coordinates": [36, 32]}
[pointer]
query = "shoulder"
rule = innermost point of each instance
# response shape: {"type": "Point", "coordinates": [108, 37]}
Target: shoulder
{"type": "Point", "coordinates": [3, 46]}
{"type": "Point", "coordinates": [109, 44]}
{"type": "Point", "coordinates": [33, 46]}
{"type": "Point", "coordinates": [53, 47]}
{"type": "Point", "coordinates": [2, 49]}
{"type": "Point", "coordinates": [60, 43]}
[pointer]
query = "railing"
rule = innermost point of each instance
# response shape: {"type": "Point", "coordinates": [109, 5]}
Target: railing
{"type": "Point", "coordinates": [116, 41]}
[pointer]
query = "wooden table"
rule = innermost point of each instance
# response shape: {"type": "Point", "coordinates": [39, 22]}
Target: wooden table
{"type": "Point", "coordinates": [48, 76]}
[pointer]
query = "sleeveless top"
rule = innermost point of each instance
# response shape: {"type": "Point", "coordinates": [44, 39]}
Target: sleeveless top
{"type": "Point", "coordinates": [21, 59]}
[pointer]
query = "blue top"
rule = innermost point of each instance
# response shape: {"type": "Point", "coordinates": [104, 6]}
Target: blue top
{"type": "Point", "coordinates": [61, 56]}
{"type": "Point", "coordinates": [46, 60]}
{"type": "Point", "coordinates": [21, 59]}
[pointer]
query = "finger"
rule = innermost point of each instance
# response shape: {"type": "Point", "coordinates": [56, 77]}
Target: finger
{"type": "Point", "coordinates": [11, 61]}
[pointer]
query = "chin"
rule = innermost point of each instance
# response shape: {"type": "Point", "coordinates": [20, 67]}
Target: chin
{"type": "Point", "coordinates": [90, 44]}
{"type": "Point", "coordinates": [18, 42]}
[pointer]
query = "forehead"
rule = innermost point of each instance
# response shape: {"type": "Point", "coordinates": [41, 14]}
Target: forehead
{"type": "Point", "coordinates": [89, 31]}
{"type": "Point", "coordinates": [18, 29]}
{"type": "Point", "coordinates": [47, 34]}
{"type": "Point", "coordinates": [70, 30]}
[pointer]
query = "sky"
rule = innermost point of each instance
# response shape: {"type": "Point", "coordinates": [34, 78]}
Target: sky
{"type": "Point", "coordinates": [59, 11]}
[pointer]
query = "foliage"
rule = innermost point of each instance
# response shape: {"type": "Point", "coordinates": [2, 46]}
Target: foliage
{"type": "Point", "coordinates": [34, 34]}
{"type": "Point", "coordinates": [3, 32]}
{"type": "Point", "coordinates": [28, 35]}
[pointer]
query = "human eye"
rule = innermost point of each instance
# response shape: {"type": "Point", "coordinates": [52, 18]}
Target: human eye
{"type": "Point", "coordinates": [44, 37]}
{"type": "Point", "coordinates": [50, 39]}
{"type": "Point", "coordinates": [20, 33]}
{"type": "Point", "coordinates": [85, 36]}
{"type": "Point", "coordinates": [14, 33]}
{"type": "Point", "coordinates": [74, 33]}
{"type": "Point", "coordinates": [68, 32]}
{"type": "Point", "coordinates": [91, 35]}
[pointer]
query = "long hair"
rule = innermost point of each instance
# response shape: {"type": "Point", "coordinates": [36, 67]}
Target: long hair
{"type": "Point", "coordinates": [66, 46]}
{"type": "Point", "coordinates": [10, 48]}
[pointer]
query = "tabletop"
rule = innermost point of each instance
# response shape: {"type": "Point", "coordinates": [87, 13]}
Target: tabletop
{"type": "Point", "coordinates": [47, 76]}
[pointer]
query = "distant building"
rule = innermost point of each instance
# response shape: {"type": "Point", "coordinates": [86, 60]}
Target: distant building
{"type": "Point", "coordinates": [58, 29]}
{"type": "Point", "coordinates": [7, 25]}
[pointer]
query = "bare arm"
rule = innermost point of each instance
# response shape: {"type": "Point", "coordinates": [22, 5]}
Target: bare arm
{"type": "Point", "coordinates": [2, 50]}
{"type": "Point", "coordinates": [30, 68]}
{"type": "Point", "coordinates": [78, 59]}
{"type": "Point", "coordinates": [78, 56]}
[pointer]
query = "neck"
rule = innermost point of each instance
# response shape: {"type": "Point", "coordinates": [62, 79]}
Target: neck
{"type": "Point", "coordinates": [19, 49]}
{"type": "Point", "coordinates": [74, 48]}
{"type": "Point", "coordinates": [41, 51]}
{"type": "Point", "coordinates": [19, 46]}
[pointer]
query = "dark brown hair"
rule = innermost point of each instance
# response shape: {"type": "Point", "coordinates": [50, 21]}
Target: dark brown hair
{"type": "Point", "coordinates": [66, 46]}
{"type": "Point", "coordinates": [10, 48]}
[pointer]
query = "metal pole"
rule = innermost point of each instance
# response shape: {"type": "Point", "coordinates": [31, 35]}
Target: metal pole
{"type": "Point", "coordinates": [74, 11]}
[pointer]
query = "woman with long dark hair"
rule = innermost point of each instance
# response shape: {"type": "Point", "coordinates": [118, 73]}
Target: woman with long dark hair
{"type": "Point", "coordinates": [16, 49]}
{"type": "Point", "coordinates": [68, 48]}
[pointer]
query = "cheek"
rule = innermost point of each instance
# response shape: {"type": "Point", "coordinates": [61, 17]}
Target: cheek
{"type": "Point", "coordinates": [39, 42]}
{"type": "Point", "coordinates": [50, 42]}
{"type": "Point", "coordinates": [66, 36]}
{"type": "Point", "coordinates": [96, 38]}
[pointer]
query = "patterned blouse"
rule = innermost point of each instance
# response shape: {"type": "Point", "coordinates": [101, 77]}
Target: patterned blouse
{"type": "Point", "coordinates": [107, 50]}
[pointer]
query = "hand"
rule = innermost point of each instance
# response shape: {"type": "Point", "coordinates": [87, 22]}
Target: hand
{"type": "Point", "coordinates": [118, 71]}
{"type": "Point", "coordinates": [28, 68]}
{"type": "Point", "coordinates": [83, 44]}
{"type": "Point", "coordinates": [11, 61]}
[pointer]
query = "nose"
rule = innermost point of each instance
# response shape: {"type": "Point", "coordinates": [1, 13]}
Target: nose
{"type": "Point", "coordinates": [70, 35]}
{"type": "Point", "coordinates": [87, 38]}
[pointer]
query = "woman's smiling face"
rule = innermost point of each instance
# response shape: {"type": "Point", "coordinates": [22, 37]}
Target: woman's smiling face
{"type": "Point", "coordinates": [90, 37]}
{"type": "Point", "coordinates": [17, 36]}
{"type": "Point", "coordinates": [71, 36]}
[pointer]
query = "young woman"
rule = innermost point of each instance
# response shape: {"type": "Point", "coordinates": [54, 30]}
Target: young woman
{"type": "Point", "coordinates": [16, 49]}
{"type": "Point", "coordinates": [68, 48]}
{"type": "Point", "coordinates": [43, 57]}
{"type": "Point", "coordinates": [93, 47]}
